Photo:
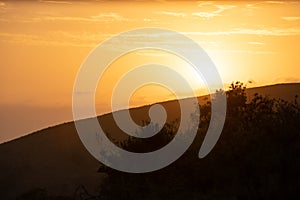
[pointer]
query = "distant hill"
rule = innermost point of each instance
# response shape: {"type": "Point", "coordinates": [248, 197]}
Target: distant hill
{"type": "Point", "coordinates": [55, 159]}
{"type": "Point", "coordinates": [285, 91]}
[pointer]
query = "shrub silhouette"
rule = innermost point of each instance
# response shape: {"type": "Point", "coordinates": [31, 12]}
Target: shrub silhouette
{"type": "Point", "coordinates": [256, 157]}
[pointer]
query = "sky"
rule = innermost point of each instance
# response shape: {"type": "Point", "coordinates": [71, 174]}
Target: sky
{"type": "Point", "coordinates": [43, 44]}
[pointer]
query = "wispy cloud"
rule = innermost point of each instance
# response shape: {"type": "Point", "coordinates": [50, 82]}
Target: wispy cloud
{"type": "Point", "coordinates": [57, 38]}
{"type": "Point", "coordinates": [102, 17]}
{"type": "Point", "coordinates": [148, 20]}
{"type": "Point", "coordinates": [242, 51]}
{"type": "Point", "coordinates": [268, 32]}
{"type": "Point", "coordinates": [89, 39]}
{"type": "Point", "coordinates": [250, 9]}
{"type": "Point", "coordinates": [256, 43]}
{"type": "Point", "coordinates": [252, 6]}
{"type": "Point", "coordinates": [245, 31]}
{"type": "Point", "coordinates": [206, 14]}
{"type": "Point", "coordinates": [291, 18]}
{"type": "Point", "coordinates": [205, 3]}
{"type": "Point", "coordinates": [111, 15]}
{"type": "Point", "coordinates": [203, 14]}
{"type": "Point", "coordinates": [55, 2]}
{"type": "Point", "coordinates": [175, 14]}
{"type": "Point", "coordinates": [215, 13]}
{"type": "Point", "coordinates": [275, 2]}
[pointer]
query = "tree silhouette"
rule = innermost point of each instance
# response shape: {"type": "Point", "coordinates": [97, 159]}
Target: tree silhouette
{"type": "Point", "coordinates": [257, 156]}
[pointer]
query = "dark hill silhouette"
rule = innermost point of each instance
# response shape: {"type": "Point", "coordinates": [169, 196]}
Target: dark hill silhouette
{"type": "Point", "coordinates": [55, 159]}
{"type": "Point", "coordinates": [286, 91]}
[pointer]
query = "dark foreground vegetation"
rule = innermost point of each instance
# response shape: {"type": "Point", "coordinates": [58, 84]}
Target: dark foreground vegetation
{"type": "Point", "coordinates": [256, 157]}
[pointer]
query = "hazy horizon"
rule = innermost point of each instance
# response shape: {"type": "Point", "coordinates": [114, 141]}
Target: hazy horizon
{"type": "Point", "coordinates": [54, 116]}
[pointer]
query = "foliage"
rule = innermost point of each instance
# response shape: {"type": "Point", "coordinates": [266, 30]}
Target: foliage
{"type": "Point", "coordinates": [257, 156]}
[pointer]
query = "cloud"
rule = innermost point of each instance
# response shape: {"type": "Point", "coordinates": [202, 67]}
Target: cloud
{"type": "Point", "coordinates": [215, 13]}
{"type": "Point", "coordinates": [57, 38]}
{"type": "Point", "coordinates": [2, 4]}
{"type": "Point", "coordinates": [112, 16]}
{"type": "Point", "coordinates": [148, 20]}
{"type": "Point", "coordinates": [274, 2]}
{"type": "Point", "coordinates": [252, 6]}
{"type": "Point", "coordinates": [175, 14]}
{"type": "Point", "coordinates": [256, 43]}
{"type": "Point", "coordinates": [55, 2]}
{"type": "Point", "coordinates": [90, 39]}
{"type": "Point", "coordinates": [205, 3]}
{"type": "Point", "coordinates": [206, 14]}
{"type": "Point", "coordinates": [242, 51]}
{"type": "Point", "coordinates": [268, 32]}
{"type": "Point", "coordinates": [102, 17]}
{"type": "Point", "coordinates": [291, 18]}
{"type": "Point", "coordinates": [244, 31]}
{"type": "Point", "coordinates": [250, 9]}
{"type": "Point", "coordinates": [222, 8]}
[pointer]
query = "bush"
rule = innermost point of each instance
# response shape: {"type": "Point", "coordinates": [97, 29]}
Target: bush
{"type": "Point", "coordinates": [256, 157]}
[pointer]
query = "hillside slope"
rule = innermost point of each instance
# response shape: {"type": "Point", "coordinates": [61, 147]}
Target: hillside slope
{"type": "Point", "coordinates": [55, 159]}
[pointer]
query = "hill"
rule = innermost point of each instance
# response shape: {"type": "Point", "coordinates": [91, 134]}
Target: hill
{"type": "Point", "coordinates": [55, 159]}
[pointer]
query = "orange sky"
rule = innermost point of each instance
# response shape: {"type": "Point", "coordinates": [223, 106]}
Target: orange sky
{"type": "Point", "coordinates": [43, 43]}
